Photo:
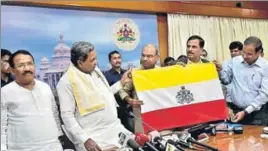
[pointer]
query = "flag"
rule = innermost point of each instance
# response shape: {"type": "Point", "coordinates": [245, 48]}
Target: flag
{"type": "Point", "coordinates": [179, 96]}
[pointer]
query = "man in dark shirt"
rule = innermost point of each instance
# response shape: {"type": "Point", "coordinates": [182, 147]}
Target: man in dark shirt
{"type": "Point", "coordinates": [113, 75]}
{"type": "Point", "coordinates": [5, 69]}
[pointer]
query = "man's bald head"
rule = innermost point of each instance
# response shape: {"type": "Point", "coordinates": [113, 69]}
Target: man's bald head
{"type": "Point", "coordinates": [149, 56]}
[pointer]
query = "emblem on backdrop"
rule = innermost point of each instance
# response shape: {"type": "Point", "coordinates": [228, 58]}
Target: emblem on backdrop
{"type": "Point", "coordinates": [126, 34]}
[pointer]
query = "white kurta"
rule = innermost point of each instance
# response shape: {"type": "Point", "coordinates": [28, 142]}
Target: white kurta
{"type": "Point", "coordinates": [29, 118]}
{"type": "Point", "coordinates": [102, 126]}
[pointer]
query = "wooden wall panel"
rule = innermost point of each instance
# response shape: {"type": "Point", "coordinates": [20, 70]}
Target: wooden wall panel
{"type": "Point", "coordinates": [162, 36]}
{"type": "Point", "coordinates": [154, 7]}
{"type": "Point", "coordinates": [256, 10]}
{"type": "Point", "coordinates": [258, 5]}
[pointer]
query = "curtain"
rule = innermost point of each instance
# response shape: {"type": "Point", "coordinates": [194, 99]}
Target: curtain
{"type": "Point", "coordinates": [218, 33]}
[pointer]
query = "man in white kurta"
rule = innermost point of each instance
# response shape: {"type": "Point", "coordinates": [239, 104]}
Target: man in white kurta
{"type": "Point", "coordinates": [28, 118]}
{"type": "Point", "coordinates": [29, 114]}
{"type": "Point", "coordinates": [100, 123]}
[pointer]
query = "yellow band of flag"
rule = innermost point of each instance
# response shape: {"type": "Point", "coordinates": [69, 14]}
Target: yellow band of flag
{"type": "Point", "coordinates": [172, 76]}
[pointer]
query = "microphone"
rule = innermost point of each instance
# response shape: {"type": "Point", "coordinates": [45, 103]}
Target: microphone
{"type": "Point", "coordinates": [127, 141]}
{"type": "Point", "coordinates": [156, 139]}
{"type": "Point", "coordinates": [191, 140]}
{"type": "Point", "coordinates": [188, 139]}
{"type": "Point", "coordinates": [142, 140]}
{"type": "Point", "coordinates": [123, 138]}
{"type": "Point", "coordinates": [133, 144]}
{"type": "Point", "coordinates": [172, 144]}
{"type": "Point", "coordinates": [182, 143]}
{"type": "Point", "coordinates": [195, 131]}
{"type": "Point", "coordinates": [155, 136]}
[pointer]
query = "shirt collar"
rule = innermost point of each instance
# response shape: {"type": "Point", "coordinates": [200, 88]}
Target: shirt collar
{"type": "Point", "coordinates": [115, 72]}
{"type": "Point", "coordinates": [257, 62]}
{"type": "Point", "coordinates": [190, 62]}
{"type": "Point", "coordinates": [142, 68]}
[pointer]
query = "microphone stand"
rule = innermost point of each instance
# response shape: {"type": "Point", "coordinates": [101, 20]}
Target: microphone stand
{"type": "Point", "coordinates": [190, 140]}
{"type": "Point", "coordinates": [176, 145]}
{"type": "Point", "coordinates": [150, 146]}
{"type": "Point", "coordinates": [183, 144]}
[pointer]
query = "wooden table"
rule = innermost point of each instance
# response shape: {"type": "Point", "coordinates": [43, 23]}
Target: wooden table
{"type": "Point", "coordinates": [250, 140]}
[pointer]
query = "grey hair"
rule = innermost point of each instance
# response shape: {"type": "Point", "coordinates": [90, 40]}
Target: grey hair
{"type": "Point", "coordinates": [80, 50]}
{"type": "Point", "coordinates": [152, 45]}
{"type": "Point", "coordinates": [255, 41]}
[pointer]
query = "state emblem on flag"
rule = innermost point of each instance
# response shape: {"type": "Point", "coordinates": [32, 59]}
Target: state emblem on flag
{"type": "Point", "coordinates": [193, 91]}
{"type": "Point", "coordinates": [184, 96]}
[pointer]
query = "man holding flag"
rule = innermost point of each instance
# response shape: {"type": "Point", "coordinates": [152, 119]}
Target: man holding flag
{"type": "Point", "coordinates": [87, 103]}
{"type": "Point", "coordinates": [149, 57]}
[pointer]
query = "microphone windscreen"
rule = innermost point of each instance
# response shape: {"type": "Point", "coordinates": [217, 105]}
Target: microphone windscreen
{"type": "Point", "coordinates": [141, 139]}
{"type": "Point", "coordinates": [153, 135]}
{"type": "Point", "coordinates": [171, 142]}
{"type": "Point", "coordinates": [133, 144]}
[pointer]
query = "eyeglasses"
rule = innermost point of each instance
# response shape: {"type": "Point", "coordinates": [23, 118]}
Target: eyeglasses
{"type": "Point", "coordinates": [23, 65]}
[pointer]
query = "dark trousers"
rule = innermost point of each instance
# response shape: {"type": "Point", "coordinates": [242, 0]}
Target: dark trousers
{"type": "Point", "coordinates": [126, 120]}
{"type": "Point", "coordinates": [255, 118]}
{"type": "Point", "coordinates": [66, 143]}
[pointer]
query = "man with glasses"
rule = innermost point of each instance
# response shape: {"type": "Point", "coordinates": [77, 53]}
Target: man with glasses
{"type": "Point", "coordinates": [248, 79]}
{"type": "Point", "coordinates": [5, 70]}
{"type": "Point", "coordinates": [149, 58]}
{"type": "Point", "coordinates": [236, 49]}
{"type": "Point", "coordinates": [29, 114]}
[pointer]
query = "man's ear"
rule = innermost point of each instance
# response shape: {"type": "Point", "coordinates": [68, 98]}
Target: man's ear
{"type": "Point", "coordinates": [79, 64]}
{"type": "Point", "coordinates": [157, 57]}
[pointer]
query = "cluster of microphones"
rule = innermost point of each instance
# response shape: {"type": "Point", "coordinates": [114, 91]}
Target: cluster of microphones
{"type": "Point", "coordinates": [177, 141]}
{"type": "Point", "coordinates": [153, 141]}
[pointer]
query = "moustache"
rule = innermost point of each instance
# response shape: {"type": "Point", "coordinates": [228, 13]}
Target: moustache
{"type": "Point", "coordinates": [118, 63]}
{"type": "Point", "coordinates": [144, 61]}
{"type": "Point", "coordinates": [188, 52]}
{"type": "Point", "coordinates": [26, 72]}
